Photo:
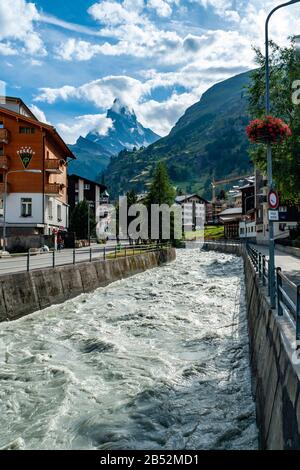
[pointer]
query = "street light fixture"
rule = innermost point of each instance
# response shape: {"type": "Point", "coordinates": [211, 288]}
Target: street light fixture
{"type": "Point", "coordinates": [5, 197]}
{"type": "Point", "coordinates": [269, 157]}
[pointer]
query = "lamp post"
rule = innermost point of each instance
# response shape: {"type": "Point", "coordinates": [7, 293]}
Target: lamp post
{"type": "Point", "coordinates": [269, 157]}
{"type": "Point", "coordinates": [5, 197]}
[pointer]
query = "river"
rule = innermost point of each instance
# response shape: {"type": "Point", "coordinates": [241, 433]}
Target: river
{"type": "Point", "coordinates": [155, 361]}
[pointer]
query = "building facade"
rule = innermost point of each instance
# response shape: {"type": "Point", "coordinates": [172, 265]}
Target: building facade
{"type": "Point", "coordinates": [36, 203]}
{"type": "Point", "coordinates": [193, 217]}
{"type": "Point", "coordinates": [288, 214]}
{"type": "Point", "coordinates": [80, 189]}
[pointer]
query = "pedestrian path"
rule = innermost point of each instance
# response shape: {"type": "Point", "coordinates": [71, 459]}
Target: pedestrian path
{"type": "Point", "coordinates": [289, 264]}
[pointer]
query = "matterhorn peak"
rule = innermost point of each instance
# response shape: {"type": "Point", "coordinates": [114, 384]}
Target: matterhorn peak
{"type": "Point", "coordinates": [119, 107]}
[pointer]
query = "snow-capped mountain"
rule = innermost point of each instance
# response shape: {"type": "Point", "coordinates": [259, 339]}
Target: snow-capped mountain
{"type": "Point", "coordinates": [126, 131]}
{"type": "Point", "coordinates": [93, 152]}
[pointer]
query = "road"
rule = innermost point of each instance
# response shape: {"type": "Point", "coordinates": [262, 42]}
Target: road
{"type": "Point", "coordinates": [18, 263]}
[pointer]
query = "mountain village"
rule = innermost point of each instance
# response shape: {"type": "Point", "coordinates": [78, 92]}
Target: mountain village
{"type": "Point", "coordinates": [149, 230]}
{"type": "Point", "coordinates": [40, 189]}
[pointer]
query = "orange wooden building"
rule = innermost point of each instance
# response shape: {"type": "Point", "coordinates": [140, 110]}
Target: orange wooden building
{"type": "Point", "coordinates": [36, 203]}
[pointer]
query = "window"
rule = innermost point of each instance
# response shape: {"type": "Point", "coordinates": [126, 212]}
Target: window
{"type": "Point", "coordinates": [1, 178]}
{"type": "Point", "coordinates": [26, 130]}
{"type": "Point", "coordinates": [59, 213]}
{"type": "Point", "coordinates": [1, 207]}
{"type": "Point", "coordinates": [50, 210]}
{"type": "Point", "coordinates": [1, 125]}
{"type": "Point", "coordinates": [1, 150]}
{"type": "Point", "coordinates": [26, 207]}
{"type": "Point", "coordinates": [87, 186]}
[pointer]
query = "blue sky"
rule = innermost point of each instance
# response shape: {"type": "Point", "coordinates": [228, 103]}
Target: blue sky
{"type": "Point", "coordinates": [69, 59]}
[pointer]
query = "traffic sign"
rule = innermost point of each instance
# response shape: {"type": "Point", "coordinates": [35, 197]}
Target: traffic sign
{"type": "Point", "coordinates": [273, 215]}
{"type": "Point", "coordinates": [273, 200]}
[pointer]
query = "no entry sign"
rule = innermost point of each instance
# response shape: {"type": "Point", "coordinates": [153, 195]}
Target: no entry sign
{"type": "Point", "coordinates": [273, 200]}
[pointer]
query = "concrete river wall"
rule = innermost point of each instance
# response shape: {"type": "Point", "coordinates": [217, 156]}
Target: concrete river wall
{"type": "Point", "coordinates": [275, 372]}
{"type": "Point", "coordinates": [26, 292]}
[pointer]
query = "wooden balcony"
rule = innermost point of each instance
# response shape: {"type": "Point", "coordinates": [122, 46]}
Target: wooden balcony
{"type": "Point", "coordinates": [4, 136]}
{"type": "Point", "coordinates": [2, 188]}
{"type": "Point", "coordinates": [53, 189]}
{"type": "Point", "coordinates": [53, 166]}
{"type": "Point", "coordinates": [4, 163]}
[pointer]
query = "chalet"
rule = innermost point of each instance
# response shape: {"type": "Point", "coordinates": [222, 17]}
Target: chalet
{"type": "Point", "coordinates": [192, 210]}
{"type": "Point", "coordinates": [33, 173]}
{"type": "Point", "coordinates": [80, 189]}
{"type": "Point", "coordinates": [231, 218]}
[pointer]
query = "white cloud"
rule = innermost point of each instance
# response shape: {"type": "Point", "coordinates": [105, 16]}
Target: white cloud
{"type": "Point", "coordinates": [161, 116]}
{"type": "Point", "coordinates": [7, 49]}
{"type": "Point", "coordinates": [113, 13]}
{"type": "Point", "coordinates": [17, 19]}
{"type": "Point", "coordinates": [101, 92]}
{"type": "Point", "coordinates": [82, 125]}
{"type": "Point", "coordinates": [39, 114]}
{"type": "Point", "coordinates": [74, 49]}
{"type": "Point", "coordinates": [161, 7]}
{"type": "Point", "coordinates": [195, 57]}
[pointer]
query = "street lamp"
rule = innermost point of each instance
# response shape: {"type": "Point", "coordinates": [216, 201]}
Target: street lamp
{"type": "Point", "coordinates": [269, 158]}
{"type": "Point", "coordinates": [5, 197]}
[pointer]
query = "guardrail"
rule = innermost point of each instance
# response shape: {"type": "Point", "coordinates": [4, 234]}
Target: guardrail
{"type": "Point", "coordinates": [287, 292]}
{"type": "Point", "coordinates": [32, 261]}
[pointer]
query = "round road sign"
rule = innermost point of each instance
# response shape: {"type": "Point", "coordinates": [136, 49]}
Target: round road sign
{"type": "Point", "coordinates": [273, 199]}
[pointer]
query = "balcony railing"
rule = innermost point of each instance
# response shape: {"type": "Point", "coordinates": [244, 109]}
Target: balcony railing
{"type": "Point", "coordinates": [53, 166]}
{"type": "Point", "coordinates": [53, 189]}
{"type": "Point", "coordinates": [4, 162]}
{"type": "Point", "coordinates": [4, 136]}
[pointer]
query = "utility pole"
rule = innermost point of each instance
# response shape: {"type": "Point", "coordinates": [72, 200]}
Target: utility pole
{"type": "Point", "coordinates": [269, 159]}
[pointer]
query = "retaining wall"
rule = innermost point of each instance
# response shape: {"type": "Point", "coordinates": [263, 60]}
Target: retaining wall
{"type": "Point", "coordinates": [275, 375]}
{"type": "Point", "coordinates": [27, 292]}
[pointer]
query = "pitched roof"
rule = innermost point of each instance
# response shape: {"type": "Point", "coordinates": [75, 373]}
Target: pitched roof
{"type": "Point", "coordinates": [74, 175]}
{"type": "Point", "coordinates": [34, 122]}
{"type": "Point", "coordinates": [18, 101]}
{"type": "Point", "coordinates": [231, 211]}
{"type": "Point", "coordinates": [184, 197]}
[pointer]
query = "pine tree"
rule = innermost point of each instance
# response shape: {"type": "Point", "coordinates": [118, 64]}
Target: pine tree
{"type": "Point", "coordinates": [79, 220]}
{"type": "Point", "coordinates": [161, 191]}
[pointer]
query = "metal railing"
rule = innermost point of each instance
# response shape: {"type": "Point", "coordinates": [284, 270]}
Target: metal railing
{"type": "Point", "coordinates": [35, 260]}
{"type": "Point", "coordinates": [287, 292]}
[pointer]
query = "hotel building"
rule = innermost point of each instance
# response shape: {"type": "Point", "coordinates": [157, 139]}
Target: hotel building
{"type": "Point", "coordinates": [36, 203]}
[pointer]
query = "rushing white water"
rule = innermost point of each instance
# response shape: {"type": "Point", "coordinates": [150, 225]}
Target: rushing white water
{"type": "Point", "coordinates": [158, 360]}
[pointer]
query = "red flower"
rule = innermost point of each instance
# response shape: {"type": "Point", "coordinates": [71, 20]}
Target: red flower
{"type": "Point", "coordinates": [268, 130]}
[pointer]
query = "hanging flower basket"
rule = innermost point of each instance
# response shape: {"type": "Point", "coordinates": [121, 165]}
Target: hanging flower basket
{"type": "Point", "coordinates": [269, 130]}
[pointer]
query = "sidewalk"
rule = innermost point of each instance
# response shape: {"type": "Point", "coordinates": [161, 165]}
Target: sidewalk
{"type": "Point", "coordinates": [289, 264]}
